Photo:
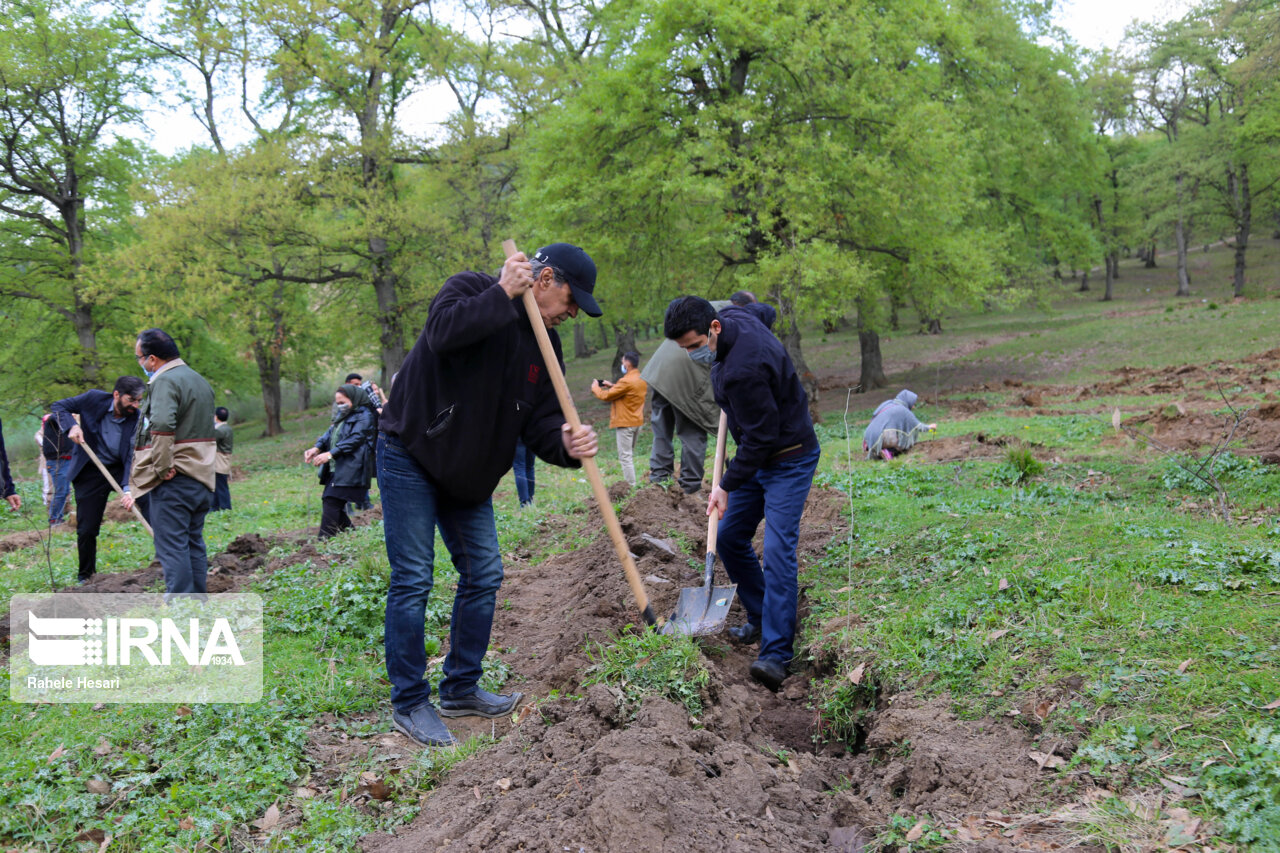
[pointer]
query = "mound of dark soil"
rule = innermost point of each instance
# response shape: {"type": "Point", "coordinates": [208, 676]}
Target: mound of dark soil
{"type": "Point", "coordinates": [749, 774]}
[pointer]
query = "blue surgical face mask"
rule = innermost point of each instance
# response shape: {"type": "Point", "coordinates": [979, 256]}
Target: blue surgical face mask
{"type": "Point", "coordinates": [703, 355]}
{"type": "Point", "coordinates": [150, 373]}
{"type": "Point", "coordinates": [623, 367]}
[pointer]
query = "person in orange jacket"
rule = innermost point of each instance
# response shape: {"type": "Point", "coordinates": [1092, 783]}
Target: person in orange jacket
{"type": "Point", "coordinates": [626, 411]}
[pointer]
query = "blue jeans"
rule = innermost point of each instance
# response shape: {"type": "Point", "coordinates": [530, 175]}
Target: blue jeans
{"type": "Point", "coordinates": [178, 508]}
{"type": "Point", "coordinates": [770, 594]}
{"type": "Point", "coordinates": [412, 509]}
{"type": "Point", "coordinates": [59, 471]}
{"type": "Point", "coordinates": [221, 492]}
{"type": "Point", "coordinates": [523, 468]}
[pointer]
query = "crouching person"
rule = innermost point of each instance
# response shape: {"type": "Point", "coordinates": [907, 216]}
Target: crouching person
{"type": "Point", "coordinates": [894, 428]}
{"type": "Point", "coordinates": [474, 382]}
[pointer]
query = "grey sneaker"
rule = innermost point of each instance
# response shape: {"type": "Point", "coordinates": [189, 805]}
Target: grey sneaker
{"type": "Point", "coordinates": [482, 703]}
{"type": "Point", "coordinates": [423, 725]}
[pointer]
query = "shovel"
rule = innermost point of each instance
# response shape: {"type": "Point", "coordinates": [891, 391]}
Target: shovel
{"type": "Point", "coordinates": [112, 480]}
{"type": "Point", "coordinates": [589, 465]}
{"type": "Point", "coordinates": [705, 609]}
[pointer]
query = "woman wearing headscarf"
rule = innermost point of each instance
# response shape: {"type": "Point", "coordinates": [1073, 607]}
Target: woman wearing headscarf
{"type": "Point", "coordinates": [894, 427]}
{"type": "Point", "coordinates": [346, 453]}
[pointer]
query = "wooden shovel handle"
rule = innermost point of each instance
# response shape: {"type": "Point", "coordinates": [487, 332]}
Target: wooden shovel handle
{"type": "Point", "coordinates": [717, 470]}
{"type": "Point", "coordinates": [589, 464]}
{"type": "Point", "coordinates": [115, 485]}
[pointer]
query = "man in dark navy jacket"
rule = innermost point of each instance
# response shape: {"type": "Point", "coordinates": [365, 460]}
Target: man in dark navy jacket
{"type": "Point", "coordinates": [107, 423]}
{"type": "Point", "coordinates": [770, 476]}
{"type": "Point", "coordinates": [474, 382]}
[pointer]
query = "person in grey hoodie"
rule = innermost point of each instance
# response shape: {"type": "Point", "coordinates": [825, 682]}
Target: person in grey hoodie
{"type": "Point", "coordinates": [894, 427]}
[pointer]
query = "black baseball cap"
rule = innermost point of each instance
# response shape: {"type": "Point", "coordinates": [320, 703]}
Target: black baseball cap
{"type": "Point", "coordinates": [579, 272]}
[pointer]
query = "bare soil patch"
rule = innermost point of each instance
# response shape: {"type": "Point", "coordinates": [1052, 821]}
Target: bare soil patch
{"type": "Point", "coordinates": [749, 774]}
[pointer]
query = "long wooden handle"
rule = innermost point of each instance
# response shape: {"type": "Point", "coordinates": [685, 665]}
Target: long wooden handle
{"type": "Point", "coordinates": [713, 523]}
{"type": "Point", "coordinates": [115, 485]}
{"type": "Point", "coordinates": [588, 464]}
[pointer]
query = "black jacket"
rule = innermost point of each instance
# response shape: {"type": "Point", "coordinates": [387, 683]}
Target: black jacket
{"type": "Point", "coordinates": [94, 407]}
{"type": "Point", "coordinates": [473, 383]}
{"type": "Point", "coordinates": [757, 386]}
{"type": "Point", "coordinates": [6, 481]}
{"type": "Point", "coordinates": [351, 443]}
{"type": "Point", "coordinates": [54, 443]}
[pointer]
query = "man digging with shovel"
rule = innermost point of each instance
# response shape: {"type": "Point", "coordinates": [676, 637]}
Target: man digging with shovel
{"type": "Point", "coordinates": [474, 382]}
{"type": "Point", "coordinates": [757, 387]}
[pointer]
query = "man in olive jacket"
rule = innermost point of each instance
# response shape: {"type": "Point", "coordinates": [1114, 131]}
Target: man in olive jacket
{"type": "Point", "coordinates": [173, 461]}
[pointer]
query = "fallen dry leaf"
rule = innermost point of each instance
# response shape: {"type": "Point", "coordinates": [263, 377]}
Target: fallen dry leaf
{"type": "Point", "coordinates": [1115, 419]}
{"type": "Point", "coordinates": [1043, 709]}
{"type": "Point", "coordinates": [186, 823]}
{"type": "Point", "coordinates": [269, 820]}
{"type": "Point", "coordinates": [98, 786]}
{"type": "Point", "coordinates": [503, 784]}
{"type": "Point", "coordinates": [1182, 667]}
{"type": "Point", "coordinates": [56, 754]}
{"type": "Point", "coordinates": [1004, 584]}
{"type": "Point", "coordinates": [1271, 706]}
{"type": "Point", "coordinates": [183, 711]}
{"type": "Point", "coordinates": [106, 842]}
{"type": "Point", "coordinates": [855, 674]}
{"type": "Point", "coordinates": [304, 793]}
{"type": "Point", "coordinates": [915, 833]}
{"type": "Point", "coordinates": [98, 706]}
{"type": "Point", "coordinates": [997, 634]}
{"type": "Point", "coordinates": [103, 746]}
{"type": "Point", "coordinates": [1046, 759]}
{"type": "Point", "coordinates": [476, 791]}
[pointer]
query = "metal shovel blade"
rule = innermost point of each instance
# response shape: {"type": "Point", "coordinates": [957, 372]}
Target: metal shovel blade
{"type": "Point", "coordinates": [702, 610]}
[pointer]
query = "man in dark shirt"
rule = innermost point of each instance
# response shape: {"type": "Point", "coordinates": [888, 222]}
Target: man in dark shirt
{"type": "Point", "coordinates": [7, 489]}
{"type": "Point", "coordinates": [474, 382]}
{"type": "Point", "coordinates": [56, 449]}
{"type": "Point", "coordinates": [225, 438]}
{"type": "Point", "coordinates": [106, 427]}
{"type": "Point", "coordinates": [770, 476]}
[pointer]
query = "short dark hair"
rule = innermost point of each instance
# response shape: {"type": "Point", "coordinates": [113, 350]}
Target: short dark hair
{"type": "Point", "coordinates": [222, 414]}
{"type": "Point", "coordinates": [130, 385]}
{"type": "Point", "coordinates": [356, 376]}
{"type": "Point", "coordinates": [688, 313]}
{"type": "Point", "coordinates": [633, 357]}
{"type": "Point", "coordinates": [158, 343]}
{"type": "Point", "coordinates": [742, 297]}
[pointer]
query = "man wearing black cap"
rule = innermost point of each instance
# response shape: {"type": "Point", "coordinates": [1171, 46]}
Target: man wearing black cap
{"type": "Point", "coordinates": [474, 382]}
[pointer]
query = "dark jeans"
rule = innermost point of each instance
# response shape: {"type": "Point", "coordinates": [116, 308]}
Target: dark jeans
{"type": "Point", "coordinates": [412, 509]}
{"type": "Point", "coordinates": [178, 508]}
{"type": "Point", "coordinates": [92, 493]}
{"type": "Point", "coordinates": [523, 468]}
{"type": "Point", "coordinates": [59, 476]}
{"type": "Point", "coordinates": [668, 421]}
{"type": "Point", "coordinates": [769, 594]}
{"type": "Point", "coordinates": [221, 492]}
{"type": "Point", "coordinates": [333, 516]}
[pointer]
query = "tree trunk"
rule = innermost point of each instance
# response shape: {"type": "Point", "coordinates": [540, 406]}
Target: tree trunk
{"type": "Point", "coordinates": [581, 349]}
{"type": "Point", "coordinates": [871, 375]}
{"type": "Point", "coordinates": [1149, 262]}
{"type": "Point", "coordinates": [390, 323]}
{"type": "Point", "coordinates": [932, 326]}
{"type": "Point", "coordinates": [1243, 202]}
{"type": "Point", "coordinates": [87, 336]}
{"type": "Point", "coordinates": [1180, 238]}
{"type": "Point", "coordinates": [1112, 263]}
{"type": "Point", "coordinates": [625, 337]}
{"type": "Point", "coordinates": [790, 338]}
{"type": "Point", "coordinates": [1084, 281]}
{"type": "Point", "coordinates": [604, 336]}
{"type": "Point", "coordinates": [304, 395]}
{"type": "Point", "coordinates": [268, 358]}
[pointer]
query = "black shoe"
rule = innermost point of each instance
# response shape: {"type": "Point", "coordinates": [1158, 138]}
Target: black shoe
{"type": "Point", "coordinates": [482, 703]}
{"type": "Point", "coordinates": [745, 634]}
{"type": "Point", "coordinates": [423, 726]}
{"type": "Point", "coordinates": [770, 673]}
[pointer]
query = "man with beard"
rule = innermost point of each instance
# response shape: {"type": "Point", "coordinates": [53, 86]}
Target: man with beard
{"type": "Point", "coordinates": [107, 422]}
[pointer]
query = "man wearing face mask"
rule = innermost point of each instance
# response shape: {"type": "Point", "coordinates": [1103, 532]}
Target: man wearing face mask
{"type": "Point", "coordinates": [626, 410]}
{"type": "Point", "coordinates": [174, 461]}
{"type": "Point", "coordinates": [683, 406]}
{"type": "Point", "coordinates": [770, 475]}
{"type": "Point", "coordinates": [106, 426]}
{"type": "Point", "coordinates": [474, 382]}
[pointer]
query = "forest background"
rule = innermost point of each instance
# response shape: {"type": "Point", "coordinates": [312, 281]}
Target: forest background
{"type": "Point", "coordinates": [853, 163]}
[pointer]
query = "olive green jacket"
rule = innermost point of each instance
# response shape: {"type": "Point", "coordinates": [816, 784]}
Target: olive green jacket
{"type": "Point", "coordinates": [175, 429]}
